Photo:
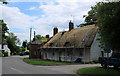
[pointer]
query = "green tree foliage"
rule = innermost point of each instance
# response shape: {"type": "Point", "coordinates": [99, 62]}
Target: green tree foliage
{"type": "Point", "coordinates": [108, 17]}
{"type": "Point", "coordinates": [4, 1]}
{"type": "Point", "coordinates": [4, 29]}
{"type": "Point", "coordinates": [28, 45]}
{"type": "Point", "coordinates": [90, 18]}
{"type": "Point", "coordinates": [12, 41]}
{"type": "Point", "coordinates": [38, 37]}
{"type": "Point", "coordinates": [24, 44]}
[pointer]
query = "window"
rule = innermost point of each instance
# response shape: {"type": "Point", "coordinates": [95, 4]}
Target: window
{"type": "Point", "coordinates": [51, 44]}
{"type": "Point", "coordinates": [35, 52]}
{"type": "Point", "coordinates": [45, 55]}
{"type": "Point", "coordinates": [69, 53]}
{"type": "Point", "coordinates": [102, 54]}
{"type": "Point", "coordinates": [80, 54]}
{"type": "Point", "coordinates": [53, 53]}
{"type": "Point", "coordinates": [67, 44]}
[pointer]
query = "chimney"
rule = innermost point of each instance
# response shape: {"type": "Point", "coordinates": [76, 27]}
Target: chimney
{"type": "Point", "coordinates": [55, 31]}
{"type": "Point", "coordinates": [47, 36]}
{"type": "Point", "coordinates": [71, 26]}
{"type": "Point", "coordinates": [5, 43]}
{"type": "Point", "coordinates": [34, 36]}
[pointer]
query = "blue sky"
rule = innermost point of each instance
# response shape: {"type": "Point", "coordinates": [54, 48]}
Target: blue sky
{"type": "Point", "coordinates": [26, 6]}
{"type": "Point", "coordinates": [43, 16]}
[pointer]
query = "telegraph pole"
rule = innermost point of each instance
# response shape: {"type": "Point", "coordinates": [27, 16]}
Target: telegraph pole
{"type": "Point", "coordinates": [30, 42]}
{"type": "Point", "coordinates": [30, 34]}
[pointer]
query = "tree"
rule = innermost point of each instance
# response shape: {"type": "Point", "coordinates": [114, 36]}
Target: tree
{"type": "Point", "coordinates": [38, 37]}
{"type": "Point", "coordinates": [108, 18]}
{"type": "Point", "coordinates": [90, 18]}
{"type": "Point", "coordinates": [4, 29]}
{"type": "Point", "coordinates": [4, 1]}
{"type": "Point", "coordinates": [28, 45]}
{"type": "Point", "coordinates": [24, 44]}
{"type": "Point", "coordinates": [12, 41]}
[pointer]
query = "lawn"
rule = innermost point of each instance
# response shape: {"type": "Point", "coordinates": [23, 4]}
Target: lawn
{"type": "Point", "coordinates": [43, 62]}
{"type": "Point", "coordinates": [99, 71]}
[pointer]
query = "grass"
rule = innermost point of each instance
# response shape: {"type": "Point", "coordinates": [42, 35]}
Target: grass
{"type": "Point", "coordinates": [42, 62]}
{"type": "Point", "coordinates": [95, 71]}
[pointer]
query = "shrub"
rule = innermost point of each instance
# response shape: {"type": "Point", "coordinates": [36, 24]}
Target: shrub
{"type": "Point", "coordinates": [6, 53]}
{"type": "Point", "coordinates": [26, 52]}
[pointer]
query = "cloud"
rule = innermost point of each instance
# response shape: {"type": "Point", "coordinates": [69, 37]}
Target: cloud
{"type": "Point", "coordinates": [16, 20]}
{"type": "Point", "coordinates": [32, 8]}
{"type": "Point", "coordinates": [55, 13]}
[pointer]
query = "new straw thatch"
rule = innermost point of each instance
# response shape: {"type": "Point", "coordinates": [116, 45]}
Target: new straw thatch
{"type": "Point", "coordinates": [77, 38]}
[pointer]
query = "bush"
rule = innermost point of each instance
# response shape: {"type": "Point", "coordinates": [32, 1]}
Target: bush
{"type": "Point", "coordinates": [26, 52]}
{"type": "Point", "coordinates": [19, 53]}
{"type": "Point", "coordinates": [6, 53]}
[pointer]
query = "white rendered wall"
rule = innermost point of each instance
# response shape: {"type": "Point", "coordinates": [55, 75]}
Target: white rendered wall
{"type": "Point", "coordinates": [95, 50]}
{"type": "Point", "coordinates": [5, 47]}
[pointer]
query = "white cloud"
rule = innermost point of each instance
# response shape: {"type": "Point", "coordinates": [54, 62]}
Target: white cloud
{"type": "Point", "coordinates": [32, 8]}
{"type": "Point", "coordinates": [56, 13]}
{"type": "Point", "coordinates": [16, 20]}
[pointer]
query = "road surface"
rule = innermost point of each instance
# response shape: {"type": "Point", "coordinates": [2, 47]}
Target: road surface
{"type": "Point", "coordinates": [15, 65]}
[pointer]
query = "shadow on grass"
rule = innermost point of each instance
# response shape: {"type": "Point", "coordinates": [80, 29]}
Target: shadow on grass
{"type": "Point", "coordinates": [99, 71]}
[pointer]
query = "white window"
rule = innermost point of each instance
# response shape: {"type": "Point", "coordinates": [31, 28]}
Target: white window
{"type": "Point", "coordinates": [35, 52]}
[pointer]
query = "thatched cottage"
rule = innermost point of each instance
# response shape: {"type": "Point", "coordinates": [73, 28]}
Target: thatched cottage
{"type": "Point", "coordinates": [5, 47]}
{"type": "Point", "coordinates": [73, 44]}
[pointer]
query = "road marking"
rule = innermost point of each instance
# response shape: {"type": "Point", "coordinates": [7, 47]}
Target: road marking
{"type": "Point", "coordinates": [17, 70]}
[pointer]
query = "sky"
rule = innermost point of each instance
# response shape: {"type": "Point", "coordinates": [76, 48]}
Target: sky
{"type": "Point", "coordinates": [43, 15]}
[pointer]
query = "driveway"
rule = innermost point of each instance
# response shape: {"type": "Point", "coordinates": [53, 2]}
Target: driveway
{"type": "Point", "coordinates": [15, 65]}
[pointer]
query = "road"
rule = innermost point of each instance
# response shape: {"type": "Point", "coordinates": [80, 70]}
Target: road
{"type": "Point", "coordinates": [15, 65]}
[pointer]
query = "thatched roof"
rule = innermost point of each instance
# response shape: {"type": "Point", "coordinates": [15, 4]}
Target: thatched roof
{"type": "Point", "coordinates": [75, 38]}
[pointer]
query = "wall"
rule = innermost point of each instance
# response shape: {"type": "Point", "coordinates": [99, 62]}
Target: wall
{"type": "Point", "coordinates": [95, 51]}
{"type": "Point", "coordinates": [33, 49]}
{"type": "Point", "coordinates": [5, 47]}
{"type": "Point", "coordinates": [66, 54]}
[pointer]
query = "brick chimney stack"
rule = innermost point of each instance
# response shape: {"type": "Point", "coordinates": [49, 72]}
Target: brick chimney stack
{"type": "Point", "coordinates": [47, 36]}
{"type": "Point", "coordinates": [71, 26]}
{"type": "Point", "coordinates": [55, 31]}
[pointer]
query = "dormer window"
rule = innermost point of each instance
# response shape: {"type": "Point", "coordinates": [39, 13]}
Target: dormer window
{"type": "Point", "coordinates": [67, 44]}
{"type": "Point", "coordinates": [51, 44]}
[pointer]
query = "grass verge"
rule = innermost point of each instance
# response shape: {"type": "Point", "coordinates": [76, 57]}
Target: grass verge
{"type": "Point", "coordinates": [42, 62]}
{"type": "Point", "coordinates": [95, 71]}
